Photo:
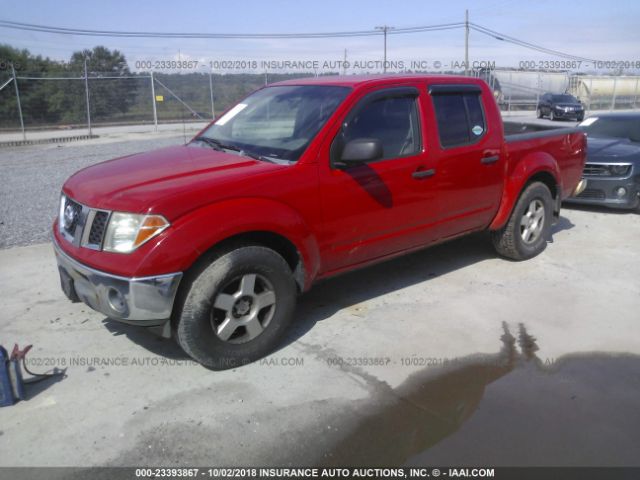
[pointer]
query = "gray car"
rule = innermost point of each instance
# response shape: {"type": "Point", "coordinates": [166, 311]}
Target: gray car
{"type": "Point", "coordinates": [612, 169]}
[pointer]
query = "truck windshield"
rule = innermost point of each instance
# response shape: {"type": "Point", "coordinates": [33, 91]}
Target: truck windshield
{"type": "Point", "coordinates": [277, 122]}
{"type": "Point", "coordinates": [613, 127]}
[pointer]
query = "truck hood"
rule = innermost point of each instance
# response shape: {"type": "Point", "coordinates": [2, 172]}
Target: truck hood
{"type": "Point", "coordinates": [154, 181]}
{"type": "Point", "coordinates": [612, 150]}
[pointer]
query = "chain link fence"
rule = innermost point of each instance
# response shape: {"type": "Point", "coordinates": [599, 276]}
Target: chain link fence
{"type": "Point", "coordinates": [30, 102]}
{"type": "Point", "coordinates": [520, 90]}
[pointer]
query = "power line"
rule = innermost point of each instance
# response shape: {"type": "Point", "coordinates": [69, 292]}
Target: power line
{"type": "Point", "coordinates": [522, 43]}
{"type": "Point", "coordinates": [354, 33]}
{"type": "Point", "coordinates": [139, 34]}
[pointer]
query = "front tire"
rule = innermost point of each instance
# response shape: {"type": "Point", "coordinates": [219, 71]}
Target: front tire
{"type": "Point", "coordinates": [538, 112]}
{"type": "Point", "coordinates": [552, 116]}
{"type": "Point", "coordinates": [237, 309]}
{"type": "Point", "coordinates": [525, 234]}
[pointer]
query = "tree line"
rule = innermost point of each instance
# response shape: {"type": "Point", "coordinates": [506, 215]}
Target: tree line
{"type": "Point", "coordinates": [53, 93]}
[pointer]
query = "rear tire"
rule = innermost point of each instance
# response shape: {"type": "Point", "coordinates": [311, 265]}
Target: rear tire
{"type": "Point", "coordinates": [237, 309]}
{"type": "Point", "coordinates": [525, 234]}
{"type": "Point", "coordinates": [538, 113]}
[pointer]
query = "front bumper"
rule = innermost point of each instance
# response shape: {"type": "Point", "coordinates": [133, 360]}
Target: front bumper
{"type": "Point", "coordinates": [602, 191]}
{"type": "Point", "coordinates": [145, 301]}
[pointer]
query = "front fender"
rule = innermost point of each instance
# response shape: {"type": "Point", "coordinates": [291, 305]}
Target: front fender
{"type": "Point", "coordinates": [196, 232]}
{"type": "Point", "coordinates": [529, 166]}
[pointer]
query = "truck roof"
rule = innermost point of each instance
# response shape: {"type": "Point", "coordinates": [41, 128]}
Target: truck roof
{"type": "Point", "coordinates": [356, 80]}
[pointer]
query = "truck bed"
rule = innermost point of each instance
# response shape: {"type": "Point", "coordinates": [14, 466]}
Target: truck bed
{"type": "Point", "coordinates": [564, 145]}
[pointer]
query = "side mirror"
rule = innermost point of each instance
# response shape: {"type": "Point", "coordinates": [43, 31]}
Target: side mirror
{"type": "Point", "coordinates": [359, 151]}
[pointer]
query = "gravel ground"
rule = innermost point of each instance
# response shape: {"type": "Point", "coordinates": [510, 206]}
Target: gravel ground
{"type": "Point", "coordinates": [33, 176]}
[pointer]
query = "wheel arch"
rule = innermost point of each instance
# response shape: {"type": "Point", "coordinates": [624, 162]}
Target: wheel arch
{"type": "Point", "coordinates": [535, 167]}
{"type": "Point", "coordinates": [268, 239]}
{"type": "Point", "coordinates": [200, 234]}
{"type": "Point", "coordinates": [265, 238]}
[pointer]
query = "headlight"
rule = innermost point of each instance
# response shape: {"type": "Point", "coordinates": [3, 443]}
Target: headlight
{"type": "Point", "coordinates": [127, 231]}
{"type": "Point", "coordinates": [619, 170]}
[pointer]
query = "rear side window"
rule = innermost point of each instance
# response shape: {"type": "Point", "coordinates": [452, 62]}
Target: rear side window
{"type": "Point", "coordinates": [460, 118]}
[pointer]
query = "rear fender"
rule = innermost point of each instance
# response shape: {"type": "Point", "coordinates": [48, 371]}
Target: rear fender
{"type": "Point", "coordinates": [529, 166]}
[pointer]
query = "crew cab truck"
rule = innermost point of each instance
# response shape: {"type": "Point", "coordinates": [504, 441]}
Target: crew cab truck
{"type": "Point", "coordinates": [212, 241]}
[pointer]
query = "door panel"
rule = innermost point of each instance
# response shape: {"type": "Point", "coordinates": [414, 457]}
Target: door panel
{"type": "Point", "coordinates": [470, 163]}
{"type": "Point", "coordinates": [381, 207]}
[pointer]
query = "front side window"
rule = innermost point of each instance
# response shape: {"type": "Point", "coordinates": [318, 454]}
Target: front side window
{"type": "Point", "coordinates": [278, 122]}
{"type": "Point", "coordinates": [392, 120]}
{"type": "Point", "coordinates": [460, 118]}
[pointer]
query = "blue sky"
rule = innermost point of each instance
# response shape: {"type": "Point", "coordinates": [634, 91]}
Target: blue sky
{"type": "Point", "coordinates": [594, 29]}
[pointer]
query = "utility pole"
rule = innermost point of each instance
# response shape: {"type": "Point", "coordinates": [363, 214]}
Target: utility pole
{"type": "Point", "coordinates": [466, 42]}
{"type": "Point", "coordinates": [153, 100]}
{"type": "Point", "coordinates": [86, 90]}
{"type": "Point", "coordinates": [385, 29]}
{"type": "Point", "coordinates": [15, 83]}
{"type": "Point", "coordinates": [344, 63]}
{"type": "Point", "coordinates": [213, 108]}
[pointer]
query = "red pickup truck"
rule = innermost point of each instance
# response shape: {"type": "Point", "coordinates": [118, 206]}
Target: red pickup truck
{"type": "Point", "coordinates": [301, 180]}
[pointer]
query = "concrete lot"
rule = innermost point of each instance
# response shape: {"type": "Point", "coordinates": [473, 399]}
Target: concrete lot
{"type": "Point", "coordinates": [484, 361]}
{"type": "Point", "coordinates": [447, 356]}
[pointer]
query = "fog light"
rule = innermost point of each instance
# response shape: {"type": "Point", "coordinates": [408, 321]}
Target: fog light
{"type": "Point", "coordinates": [621, 192]}
{"type": "Point", "coordinates": [117, 301]}
{"type": "Point", "coordinates": [582, 185]}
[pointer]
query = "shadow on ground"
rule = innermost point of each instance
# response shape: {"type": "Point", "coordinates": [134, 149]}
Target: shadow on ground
{"type": "Point", "coordinates": [511, 408]}
{"type": "Point", "coordinates": [33, 386]}
{"type": "Point", "coordinates": [147, 339]}
{"type": "Point", "coordinates": [335, 294]}
{"type": "Point", "coordinates": [332, 295]}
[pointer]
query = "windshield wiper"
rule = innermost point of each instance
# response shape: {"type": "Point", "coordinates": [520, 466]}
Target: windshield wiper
{"type": "Point", "coordinates": [217, 144]}
{"type": "Point", "coordinates": [256, 156]}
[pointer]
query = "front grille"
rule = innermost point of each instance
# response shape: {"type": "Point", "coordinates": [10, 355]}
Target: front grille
{"type": "Point", "coordinates": [98, 228]}
{"type": "Point", "coordinates": [596, 170]}
{"type": "Point", "coordinates": [83, 226]}
{"type": "Point", "coordinates": [70, 227]}
{"type": "Point", "coordinates": [593, 194]}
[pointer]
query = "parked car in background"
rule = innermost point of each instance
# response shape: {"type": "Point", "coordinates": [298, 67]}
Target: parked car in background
{"type": "Point", "coordinates": [563, 106]}
{"type": "Point", "coordinates": [612, 170]}
{"type": "Point", "coordinates": [212, 241]}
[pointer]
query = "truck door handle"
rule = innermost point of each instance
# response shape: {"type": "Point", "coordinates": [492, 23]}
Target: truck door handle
{"type": "Point", "coordinates": [491, 159]}
{"type": "Point", "coordinates": [423, 173]}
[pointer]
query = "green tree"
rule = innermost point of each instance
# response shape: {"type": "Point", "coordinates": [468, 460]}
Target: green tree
{"type": "Point", "coordinates": [33, 93]}
{"type": "Point", "coordinates": [108, 97]}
